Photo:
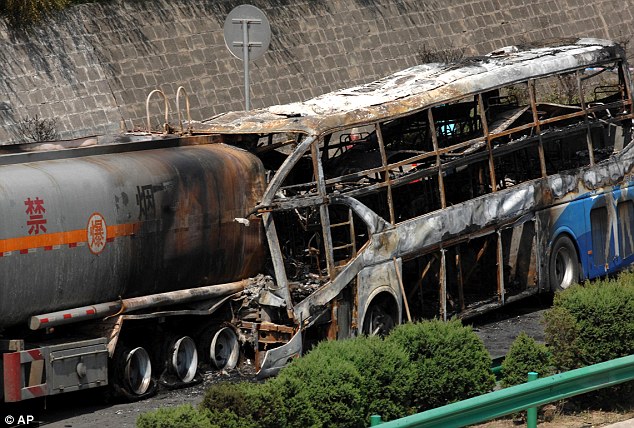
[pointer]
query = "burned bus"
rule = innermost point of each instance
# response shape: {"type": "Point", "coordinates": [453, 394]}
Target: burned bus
{"type": "Point", "coordinates": [445, 189]}
{"type": "Point", "coordinates": [442, 190]}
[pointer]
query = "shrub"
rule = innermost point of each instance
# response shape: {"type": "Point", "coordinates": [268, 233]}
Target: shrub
{"type": "Point", "coordinates": [34, 129]}
{"type": "Point", "coordinates": [450, 362]}
{"type": "Point", "coordinates": [337, 384]}
{"type": "Point", "coordinates": [321, 390]}
{"type": "Point", "coordinates": [342, 383]}
{"type": "Point", "coordinates": [525, 355]}
{"type": "Point", "coordinates": [387, 374]}
{"type": "Point", "coordinates": [243, 405]}
{"type": "Point", "coordinates": [562, 334]}
{"type": "Point", "coordinates": [592, 323]}
{"type": "Point", "coordinates": [185, 416]}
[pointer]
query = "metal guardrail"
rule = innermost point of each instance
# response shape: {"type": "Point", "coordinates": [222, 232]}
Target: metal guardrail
{"type": "Point", "coordinates": [496, 367]}
{"type": "Point", "coordinates": [516, 398]}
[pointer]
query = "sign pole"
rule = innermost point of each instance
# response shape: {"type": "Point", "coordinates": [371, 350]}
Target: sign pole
{"type": "Point", "coordinates": [247, 27]}
{"type": "Point", "coordinates": [245, 59]}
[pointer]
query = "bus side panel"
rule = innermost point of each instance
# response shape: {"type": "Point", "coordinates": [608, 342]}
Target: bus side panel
{"type": "Point", "coordinates": [611, 217]}
{"type": "Point", "coordinates": [379, 294]}
{"type": "Point", "coordinates": [603, 254]}
{"type": "Point", "coordinates": [625, 214]}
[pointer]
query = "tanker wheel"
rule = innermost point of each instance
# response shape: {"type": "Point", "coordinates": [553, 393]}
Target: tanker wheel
{"type": "Point", "coordinates": [377, 321]}
{"type": "Point", "coordinates": [131, 375]}
{"type": "Point", "coordinates": [183, 359]}
{"type": "Point", "coordinates": [220, 347]}
{"type": "Point", "coordinates": [563, 267]}
{"type": "Point", "coordinates": [224, 350]}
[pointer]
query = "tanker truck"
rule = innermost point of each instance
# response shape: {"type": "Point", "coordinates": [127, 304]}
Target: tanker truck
{"type": "Point", "coordinates": [97, 241]}
{"type": "Point", "coordinates": [442, 190]}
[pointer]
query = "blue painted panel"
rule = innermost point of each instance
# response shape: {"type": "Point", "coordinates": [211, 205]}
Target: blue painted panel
{"type": "Point", "coordinates": [577, 217]}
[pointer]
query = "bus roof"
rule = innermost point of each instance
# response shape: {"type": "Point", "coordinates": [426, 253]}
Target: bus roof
{"type": "Point", "coordinates": [414, 89]}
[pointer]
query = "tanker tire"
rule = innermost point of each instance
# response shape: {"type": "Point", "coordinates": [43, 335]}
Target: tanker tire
{"type": "Point", "coordinates": [120, 377]}
{"type": "Point", "coordinates": [224, 349]}
{"type": "Point", "coordinates": [219, 347]}
{"type": "Point", "coordinates": [563, 266]}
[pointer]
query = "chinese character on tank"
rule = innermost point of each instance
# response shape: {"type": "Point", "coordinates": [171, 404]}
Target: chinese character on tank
{"type": "Point", "coordinates": [145, 201]}
{"type": "Point", "coordinates": [97, 233]}
{"type": "Point", "coordinates": [35, 210]}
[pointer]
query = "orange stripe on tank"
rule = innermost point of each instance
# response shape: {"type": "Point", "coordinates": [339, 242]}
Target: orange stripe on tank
{"type": "Point", "coordinates": [63, 238]}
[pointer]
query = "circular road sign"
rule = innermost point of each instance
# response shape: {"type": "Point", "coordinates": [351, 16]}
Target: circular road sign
{"type": "Point", "coordinates": [257, 33]}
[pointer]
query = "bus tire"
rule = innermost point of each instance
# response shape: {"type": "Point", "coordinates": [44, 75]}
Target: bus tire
{"type": "Point", "coordinates": [379, 320]}
{"type": "Point", "coordinates": [563, 267]}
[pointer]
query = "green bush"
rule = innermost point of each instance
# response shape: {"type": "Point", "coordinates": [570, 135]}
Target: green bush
{"type": "Point", "coordinates": [337, 384]}
{"type": "Point", "coordinates": [344, 382]}
{"type": "Point", "coordinates": [562, 334]}
{"type": "Point", "coordinates": [185, 416]}
{"type": "Point", "coordinates": [525, 355]}
{"type": "Point", "coordinates": [326, 393]}
{"type": "Point", "coordinates": [592, 323]}
{"type": "Point", "coordinates": [450, 362]}
{"type": "Point", "coordinates": [243, 405]}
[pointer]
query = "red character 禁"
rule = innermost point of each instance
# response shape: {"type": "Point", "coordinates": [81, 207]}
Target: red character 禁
{"type": "Point", "coordinates": [35, 210]}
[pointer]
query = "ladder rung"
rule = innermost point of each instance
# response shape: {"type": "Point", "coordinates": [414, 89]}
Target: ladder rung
{"type": "Point", "coordinates": [347, 223]}
{"type": "Point", "coordinates": [342, 247]}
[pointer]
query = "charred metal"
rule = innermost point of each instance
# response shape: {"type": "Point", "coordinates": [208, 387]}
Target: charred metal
{"type": "Point", "coordinates": [439, 191]}
{"type": "Point", "coordinates": [431, 192]}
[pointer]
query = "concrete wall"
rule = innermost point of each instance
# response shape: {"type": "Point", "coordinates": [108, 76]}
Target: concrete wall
{"type": "Point", "coordinates": [91, 67]}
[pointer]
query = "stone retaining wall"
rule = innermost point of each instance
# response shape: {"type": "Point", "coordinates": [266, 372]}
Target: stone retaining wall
{"type": "Point", "coordinates": [92, 67]}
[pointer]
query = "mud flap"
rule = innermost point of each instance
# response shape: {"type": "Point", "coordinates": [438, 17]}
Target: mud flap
{"type": "Point", "coordinates": [277, 358]}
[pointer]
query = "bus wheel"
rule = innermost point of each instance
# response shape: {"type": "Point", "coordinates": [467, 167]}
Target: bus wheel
{"type": "Point", "coordinates": [132, 374]}
{"type": "Point", "coordinates": [378, 321]}
{"type": "Point", "coordinates": [184, 359]}
{"type": "Point", "coordinates": [563, 268]}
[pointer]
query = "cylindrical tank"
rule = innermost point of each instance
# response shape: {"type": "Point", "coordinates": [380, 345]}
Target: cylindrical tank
{"type": "Point", "coordinates": [90, 229]}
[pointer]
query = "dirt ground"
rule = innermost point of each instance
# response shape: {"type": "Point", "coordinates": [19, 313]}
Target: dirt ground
{"type": "Point", "coordinates": [497, 330]}
{"type": "Point", "coordinates": [584, 419]}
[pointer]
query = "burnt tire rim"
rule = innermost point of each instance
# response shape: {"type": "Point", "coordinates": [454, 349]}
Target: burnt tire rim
{"type": "Point", "coordinates": [138, 371]}
{"type": "Point", "coordinates": [224, 350]}
{"type": "Point", "coordinates": [184, 359]}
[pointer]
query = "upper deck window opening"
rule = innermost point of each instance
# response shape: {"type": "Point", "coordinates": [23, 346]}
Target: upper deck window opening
{"type": "Point", "coordinates": [508, 108]}
{"type": "Point", "coordinates": [457, 121]}
{"type": "Point", "coordinates": [571, 108]}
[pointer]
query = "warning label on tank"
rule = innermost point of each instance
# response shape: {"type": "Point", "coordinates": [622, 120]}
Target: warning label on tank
{"type": "Point", "coordinates": [35, 210]}
{"type": "Point", "coordinates": [97, 233]}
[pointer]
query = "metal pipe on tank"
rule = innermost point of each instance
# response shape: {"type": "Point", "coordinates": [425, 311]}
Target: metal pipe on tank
{"type": "Point", "coordinates": [101, 310]}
